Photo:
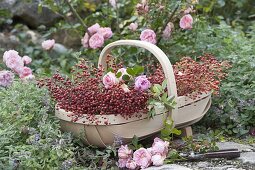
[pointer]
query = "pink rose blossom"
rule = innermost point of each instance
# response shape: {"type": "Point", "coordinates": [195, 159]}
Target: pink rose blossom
{"type": "Point", "coordinates": [168, 30]}
{"type": "Point", "coordinates": [13, 60]}
{"type": "Point", "coordinates": [96, 41]}
{"type": "Point", "coordinates": [149, 36]}
{"type": "Point", "coordinates": [6, 78]}
{"type": "Point", "coordinates": [26, 60]}
{"type": "Point", "coordinates": [26, 71]}
{"type": "Point", "coordinates": [142, 158]}
{"type": "Point", "coordinates": [186, 22]}
{"type": "Point", "coordinates": [10, 53]}
{"type": "Point", "coordinates": [142, 83]}
{"type": "Point", "coordinates": [109, 80]}
{"type": "Point", "coordinates": [158, 159]}
{"type": "Point", "coordinates": [133, 26]}
{"type": "Point", "coordinates": [48, 44]}
{"type": "Point", "coordinates": [85, 40]}
{"type": "Point", "coordinates": [124, 152]}
{"type": "Point", "coordinates": [125, 88]}
{"type": "Point", "coordinates": [113, 3]}
{"type": "Point", "coordinates": [94, 28]}
{"type": "Point", "coordinates": [160, 147]}
{"type": "Point", "coordinates": [131, 164]}
{"type": "Point", "coordinates": [106, 32]}
{"type": "Point", "coordinates": [122, 163]}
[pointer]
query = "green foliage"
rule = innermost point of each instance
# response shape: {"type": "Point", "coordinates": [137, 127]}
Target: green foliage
{"type": "Point", "coordinates": [233, 110]}
{"type": "Point", "coordinates": [160, 100]}
{"type": "Point", "coordinates": [235, 12]}
{"type": "Point", "coordinates": [168, 131]}
{"type": "Point", "coordinates": [30, 136]}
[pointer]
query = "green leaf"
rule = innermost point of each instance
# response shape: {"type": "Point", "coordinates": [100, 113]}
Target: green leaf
{"type": "Point", "coordinates": [131, 72]}
{"type": "Point", "coordinates": [164, 84]}
{"type": "Point", "coordinates": [138, 70]}
{"type": "Point", "coordinates": [164, 97]}
{"type": "Point", "coordinates": [156, 90]}
{"type": "Point", "coordinates": [176, 131]}
{"type": "Point", "coordinates": [125, 77]}
{"type": "Point", "coordinates": [39, 8]}
{"type": "Point", "coordinates": [119, 74]}
{"type": "Point", "coordinates": [110, 70]}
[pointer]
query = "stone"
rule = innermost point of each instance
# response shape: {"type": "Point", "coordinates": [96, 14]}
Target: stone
{"type": "Point", "coordinates": [27, 13]}
{"type": "Point", "coordinates": [59, 48]}
{"type": "Point", "coordinates": [248, 157]}
{"type": "Point", "coordinates": [233, 145]}
{"type": "Point", "coordinates": [8, 41]}
{"type": "Point", "coordinates": [203, 164]}
{"type": "Point", "coordinates": [169, 167]}
{"type": "Point", "coordinates": [225, 167]}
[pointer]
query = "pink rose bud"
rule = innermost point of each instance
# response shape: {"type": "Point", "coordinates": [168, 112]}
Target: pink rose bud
{"type": "Point", "coordinates": [188, 10]}
{"type": "Point", "coordinates": [26, 60]}
{"type": "Point", "coordinates": [158, 160]}
{"type": "Point", "coordinates": [122, 163]}
{"type": "Point", "coordinates": [124, 152]}
{"type": "Point", "coordinates": [142, 83]}
{"type": "Point", "coordinates": [96, 41]}
{"type": "Point", "coordinates": [113, 3]}
{"type": "Point", "coordinates": [28, 78]}
{"type": "Point", "coordinates": [106, 32]}
{"type": "Point", "coordinates": [48, 44]}
{"type": "Point", "coordinates": [6, 78]}
{"type": "Point", "coordinates": [160, 147]}
{"type": "Point", "coordinates": [85, 40]}
{"type": "Point", "coordinates": [149, 36]}
{"type": "Point", "coordinates": [186, 22]}
{"type": "Point", "coordinates": [168, 30]}
{"type": "Point", "coordinates": [26, 71]}
{"type": "Point", "coordinates": [94, 28]}
{"type": "Point", "coordinates": [161, 7]}
{"type": "Point", "coordinates": [125, 88]}
{"type": "Point", "coordinates": [142, 8]}
{"type": "Point", "coordinates": [133, 26]}
{"type": "Point", "coordinates": [131, 164]}
{"type": "Point", "coordinates": [13, 60]}
{"type": "Point", "coordinates": [142, 158]}
{"type": "Point", "coordinates": [109, 80]}
{"type": "Point", "coordinates": [194, 1]}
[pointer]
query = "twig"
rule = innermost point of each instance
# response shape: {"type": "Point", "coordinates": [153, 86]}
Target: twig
{"type": "Point", "coordinates": [169, 19]}
{"type": "Point", "coordinates": [117, 19]}
{"type": "Point", "coordinates": [76, 14]}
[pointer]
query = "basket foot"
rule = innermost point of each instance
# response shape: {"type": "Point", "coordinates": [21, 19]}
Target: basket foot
{"type": "Point", "coordinates": [187, 131]}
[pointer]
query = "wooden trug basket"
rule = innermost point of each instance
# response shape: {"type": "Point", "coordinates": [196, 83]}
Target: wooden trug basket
{"type": "Point", "coordinates": [186, 113]}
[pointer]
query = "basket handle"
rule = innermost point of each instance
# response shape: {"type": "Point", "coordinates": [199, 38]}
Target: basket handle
{"type": "Point", "coordinates": [157, 52]}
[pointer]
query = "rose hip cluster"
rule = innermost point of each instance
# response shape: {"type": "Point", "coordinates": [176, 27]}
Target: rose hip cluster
{"type": "Point", "coordinates": [143, 158]}
{"type": "Point", "coordinates": [90, 93]}
{"type": "Point", "coordinates": [195, 77]}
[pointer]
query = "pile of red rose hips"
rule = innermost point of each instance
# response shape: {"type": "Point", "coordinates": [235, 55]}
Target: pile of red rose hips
{"type": "Point", "coordinates": [195, 77]}
{"type": "Point", "coordinates": [85, 95]}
